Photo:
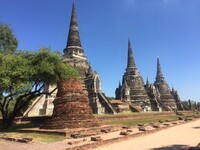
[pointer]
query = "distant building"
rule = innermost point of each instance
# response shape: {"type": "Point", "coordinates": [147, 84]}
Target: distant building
{"type": "Point", "coordinates": [132, 88]}
{"type": "Point", "coordinates": [165, 96]}
{"type": "Point", "coordinates": [149, 97]}
{"type": "Point", "coordinates": [177, 99]}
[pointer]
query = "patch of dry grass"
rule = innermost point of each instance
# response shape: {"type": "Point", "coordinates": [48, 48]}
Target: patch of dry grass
{"type": "Point", "coordinates": [47, 138]}
{"type": "Point", "coordinates": [130, 122]}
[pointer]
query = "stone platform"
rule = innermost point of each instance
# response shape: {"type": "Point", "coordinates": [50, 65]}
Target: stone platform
{"type": "Point", "coordinates": [76, 132]}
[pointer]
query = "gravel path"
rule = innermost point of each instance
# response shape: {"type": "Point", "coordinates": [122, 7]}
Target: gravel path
{"type": "Point", "coordinates": [175, 138]}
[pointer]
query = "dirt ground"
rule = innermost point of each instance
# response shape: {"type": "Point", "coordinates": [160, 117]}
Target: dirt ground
{"type": "Point", "coordinates": [174, 138]}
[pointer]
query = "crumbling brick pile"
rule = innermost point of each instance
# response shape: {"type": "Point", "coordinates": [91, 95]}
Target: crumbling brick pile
{"type": "Point", "coordinates": [71, 108]}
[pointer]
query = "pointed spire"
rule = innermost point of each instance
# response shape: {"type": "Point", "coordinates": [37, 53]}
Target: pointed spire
{"type": "Point", "coordinates": [73, 36]}
{"type": "Point", "coordinates": [173, 91]}
{"type": "Point", "coordinates": [90, 71]}
{"type": "Point", "coordinates": [73, 40]}
{"type": "Point", "coordinates": [130, 63]}
{"type": "Point", "coordinates": [73, 48]}
{"type": "Point", "coordinates": [119, 85]}
{"type": "Point", "coordinates": [147, 82]}
{"type": "Point", "coordinates": [176, 92]}
{"type": "Point", "coordinates": [159, 75]}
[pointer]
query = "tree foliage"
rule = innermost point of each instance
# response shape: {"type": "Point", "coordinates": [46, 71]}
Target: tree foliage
{"type": "Point", "coordinates": [8, 42]}
{"type": "Point", "coordinates": [23, 76]}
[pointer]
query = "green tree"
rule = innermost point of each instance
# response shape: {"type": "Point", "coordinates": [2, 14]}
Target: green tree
{"type": "Point", "coordinates": [23, 76]}
{"type": "Point", "coordinates": [8, 42]}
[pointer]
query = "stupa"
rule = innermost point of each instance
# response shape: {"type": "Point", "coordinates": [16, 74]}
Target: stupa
{"type": "Point", "coordinates": [71, 108]}
{"type": "Point", "coordinates": [132, 88]}
{"type": "Point", "coordinates": [164, 90]}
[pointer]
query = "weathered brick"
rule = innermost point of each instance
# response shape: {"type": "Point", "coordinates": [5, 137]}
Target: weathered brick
{"type": "Point", "coordinates": [71, 108]}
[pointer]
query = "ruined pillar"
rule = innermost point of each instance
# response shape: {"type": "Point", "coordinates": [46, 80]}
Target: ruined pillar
{"type": "Point", "coordinates": [71, 107]}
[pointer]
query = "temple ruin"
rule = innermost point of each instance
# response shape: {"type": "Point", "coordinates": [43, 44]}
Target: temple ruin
{"type": "Point", "coordinates": [132, 88]}
{"type": "Point", "coordinates": [71, 107]}
{"type": "Point", "coordinates": [165, 97]}
{"type": "Point", "coordinates": [133, 94]}
{"type": "Point", "coordinates": [158, 95]}
{"type": "Point", "coordinates": [74, 56]}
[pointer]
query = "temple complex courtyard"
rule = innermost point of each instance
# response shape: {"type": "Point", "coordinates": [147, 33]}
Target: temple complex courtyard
{"type": "Point", "coordinates": [53, 99]}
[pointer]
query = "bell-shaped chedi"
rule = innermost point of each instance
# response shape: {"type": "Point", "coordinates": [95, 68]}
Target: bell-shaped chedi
{"type": "Point", "coordinates": [133, 82]}
{"type": "Point", "coordinates": [71, 108]}
{"type": "Point", "coordinates": [164, 90]}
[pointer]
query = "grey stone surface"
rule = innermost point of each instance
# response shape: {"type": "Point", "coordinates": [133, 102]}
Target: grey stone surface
{"type": "Point", "coordinates": [163, 88]}
{"type": "Point", "coordinates": [132, 88]}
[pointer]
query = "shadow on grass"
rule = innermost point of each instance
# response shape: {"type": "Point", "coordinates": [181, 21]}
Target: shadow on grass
{"type": "Point", "coordinates": [41, 137]}
{"type": "Point", "coordinates": [173, 147]}
{"type": "Point", "coordinates": [19, 126]}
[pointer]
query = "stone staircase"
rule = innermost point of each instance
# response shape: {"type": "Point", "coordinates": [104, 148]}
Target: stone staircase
{"type": "Point", "coordinates": [135, 108]}
{"type": "Point", "coordinates": [41, 106]}
{"type": "Point", "coordinates": [163, 106]}
{"type": "Point", "coordinates": [185, 107]}
{"type": "Point", "coordinates": [106, 103]}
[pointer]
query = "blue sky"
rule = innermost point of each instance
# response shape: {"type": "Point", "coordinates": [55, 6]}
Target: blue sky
{"type": "Point", "coordinates": [169, 29]}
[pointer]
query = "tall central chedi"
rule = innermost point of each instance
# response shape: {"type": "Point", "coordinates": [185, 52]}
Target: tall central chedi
{"type": "Point", "coordinates": [74, 53]}
{"type": "Point", "coordinates": [163, 88]}
{"type": "Point", "coordinates": [132, 88]}
{"type": "Point", "coordinates": [74, 56]}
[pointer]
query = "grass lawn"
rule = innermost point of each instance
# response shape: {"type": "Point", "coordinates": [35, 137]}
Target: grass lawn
{"type": "Point", "coordinates": [134, 122]}
{"type": "Point", "coordinates": [39, 137]}
{"type": "Point", "coordinates": [144, 118]}
{"type": "Point", "coordinates": [133, 119]}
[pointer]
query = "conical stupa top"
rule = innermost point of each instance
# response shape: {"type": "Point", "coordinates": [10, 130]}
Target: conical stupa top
{"type": "Point", "coordinates": [130, 63]}
{"type": "Point", "coordinates": [119, 85]}
{"type": "Point", "coordinates": [90, 71]}
{"type": "Point", "coordinates": [73, 36]}
{"type": "Point", "coordinates": [147, 82]}
{"type": "Point", "coordinates": [173, 91]}
{"type": "Point", "coordinates": [159, 75]}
